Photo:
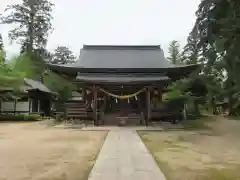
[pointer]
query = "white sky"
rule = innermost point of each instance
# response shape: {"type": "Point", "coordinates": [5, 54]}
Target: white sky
{"type": "Point", "coordinates": [115, 22]}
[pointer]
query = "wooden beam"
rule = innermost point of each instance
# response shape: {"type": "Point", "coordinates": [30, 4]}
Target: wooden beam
{"type": "Point", "coordinates": [39, 109]}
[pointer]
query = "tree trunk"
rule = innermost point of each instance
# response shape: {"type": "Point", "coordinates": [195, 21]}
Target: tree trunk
{"type": "Point", "coordinates": [230, 105]}
{"type": "Point", "coordinates": [230, 87]}
{"type": "Point", "coordinates": [196, 107]}
{"type": "Point", "coordinates": [31, 31]}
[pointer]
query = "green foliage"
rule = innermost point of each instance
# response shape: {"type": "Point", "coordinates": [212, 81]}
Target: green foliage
{"type": "Point", "coordinates": [1, 43]}
{"type": "Point", "coordinates": [174, 52]}
{"type": "Point", "coordinates": [22, 64]}
{"type": "Point", "coordinates": [58, 84]}
{"type": "Point", "coordinates": [190, 53]}
{"type": "Point", "coordinates": [216, 32]}
{"type": "Point", "coordinates": [20, 117]}
{"type": "Point", "coordinates": [177, 89]}
{"type": "Point", "coordinates": [9, 77]}
{"type": "Point", "coordinates": [30, 65]}
{"type": "Point", "coordinates": [12, 74]}
{"type": "Point", "coordinates": [65, 93]}
{"type": "Point", "coordinates": [2, 53]}
{"type": "Point", "coordinates": [2, 58]}
{"type": "Point", "coordinates": [173, 92]}
{"type": "Point", "coordinates": [62, 55]}
{"type": "Point", "coordinates": [33, 20]}
{"type": "Point", "coordinates": [19, 68]}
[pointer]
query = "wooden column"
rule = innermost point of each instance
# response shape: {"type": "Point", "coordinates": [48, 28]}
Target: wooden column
{"type": "Point", "coordinates": [160, 94]}
{"type": "Point", "coordinates": [148, 100]}
{"type": "Point", "coordinates": [95, 105]}
{"type": "Point", "coordinates": [103, 108]}
{"type": "Point", "coordinates": [39, 106]}
{"type": "Point", "coordinates": [29, 105]}
{"type": "Point", "coordinates": [140, 110]}
{"type": "Point", "coordinates": [1, 104]}
{"type": "Point", "coordinates": [15, 105]}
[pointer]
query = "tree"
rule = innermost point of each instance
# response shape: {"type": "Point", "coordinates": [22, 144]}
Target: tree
{"type": "Point", "coordinates": [174, 52]}
{"type": "Point", "coordinates": [2, 52]}
{"type": "Point", "coordinates": [190, 51]}
{"type": "Point", "coordinates": [217, 30]}
{"type": "Point", "coordinates": [1, 43]}
{"type": "Point", "coordinates": [9, 77]}
{"type": "Point", "coordinates": [62, 55]}
{"type": "Point", "coordinates": [33, 18]}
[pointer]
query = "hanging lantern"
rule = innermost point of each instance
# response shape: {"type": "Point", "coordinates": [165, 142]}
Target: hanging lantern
{"type": "Point", "coordinates": [116, 100]}
{"type": "Point", "coordinates": [136, 98]}
{"type": "Point", "coordinates": [128, 100]}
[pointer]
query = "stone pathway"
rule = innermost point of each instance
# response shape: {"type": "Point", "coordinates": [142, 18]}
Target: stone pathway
{"type": "Point", "coordinates": [125, 157]}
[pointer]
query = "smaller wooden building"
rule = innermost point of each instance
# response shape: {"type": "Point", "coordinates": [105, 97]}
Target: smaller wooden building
{"type": "Point", "coordinates": [34, 97]}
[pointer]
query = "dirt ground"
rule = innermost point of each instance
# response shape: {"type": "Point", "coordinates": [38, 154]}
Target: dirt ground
{"type": "Point", "coordinates": [31, 151]}
{"type": "Point", "coordinates": [211, 153]}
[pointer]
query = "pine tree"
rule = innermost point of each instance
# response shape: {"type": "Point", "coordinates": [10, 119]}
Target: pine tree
{"type": "Point", "coordinates": [33, 18]}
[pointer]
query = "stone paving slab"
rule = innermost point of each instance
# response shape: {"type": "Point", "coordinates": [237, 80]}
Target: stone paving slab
{"type": "Point", "coordinates": [125, 157]}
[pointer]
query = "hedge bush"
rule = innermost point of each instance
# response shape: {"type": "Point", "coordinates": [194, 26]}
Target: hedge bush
{"type": "Point", "coordinates": [19, 117]}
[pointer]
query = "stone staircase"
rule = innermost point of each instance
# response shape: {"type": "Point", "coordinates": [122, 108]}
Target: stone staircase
{"type": "Point", "coordinates": [76, 110]}
{"type": "Point", "coordinates": [114, 119]}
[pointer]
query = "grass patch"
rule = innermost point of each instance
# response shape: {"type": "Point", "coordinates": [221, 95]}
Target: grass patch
{"type": "Point", "coordinates": [198, 124]}
{"type": "Point", "coordinates": [222, 174]}
{"type": "Point", "coordinates": [196, 153]}
{"type": "Point", "coordinates": [19, 117]}
{"type": "Point", "coordinates": [35, 152]}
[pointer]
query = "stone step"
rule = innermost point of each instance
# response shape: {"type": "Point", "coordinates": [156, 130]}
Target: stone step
{"type": "Point", "coordinates": [76, 109]}
{"type": "Point", "coordinates": [115, 119]}
{"type": "Point", "coordinates": [76, 106]}
{"type": "Point", "coordinates": [83, 113]}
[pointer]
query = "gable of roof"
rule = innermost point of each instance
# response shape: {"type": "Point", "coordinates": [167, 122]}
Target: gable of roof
{"type": "Point", "coordinates": [35, 85]}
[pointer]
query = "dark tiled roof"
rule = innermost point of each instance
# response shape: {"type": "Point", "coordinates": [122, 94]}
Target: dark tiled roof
{"type": "Point", "coordinates": [29, 85]}
{"type": "Point", "coordinates": [122, 57]}
{"type": "Point", "coordinates": [36, 85]}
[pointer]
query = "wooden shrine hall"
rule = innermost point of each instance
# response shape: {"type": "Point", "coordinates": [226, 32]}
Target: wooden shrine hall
{"type": "Point", "coordinates": [119, 82]}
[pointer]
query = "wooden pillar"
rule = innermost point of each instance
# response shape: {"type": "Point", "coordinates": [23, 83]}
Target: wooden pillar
{"type": "Point", "coordinates": [29, 105]}
{"type": "Point", "coordinates": [1, 104]}
{"type": "Point", "coordinates": [95, 105]}
{"type": "Point", "coordinates": [39, 106]}
{"type": "Point", "coordinates": [103, 108]}
{"type": "Point", "coordinates": [148, 100]}
{"type": "Point", "coordinates": [83, 94]}
{"type": "Point", "coordinates": [160, 94]}
{"type": "Point", "coordinates": [140, 110]}
{"type": "Point", "coordinates": [15, 105]}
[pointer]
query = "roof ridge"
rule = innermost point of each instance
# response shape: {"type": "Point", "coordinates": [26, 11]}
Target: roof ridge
{"type": "Point", "coordinates": [122, 47]}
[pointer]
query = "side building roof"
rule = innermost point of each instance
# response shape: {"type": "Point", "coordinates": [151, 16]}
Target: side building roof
{"type": "Point", "coordinates": [36, 85]}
